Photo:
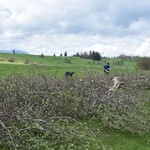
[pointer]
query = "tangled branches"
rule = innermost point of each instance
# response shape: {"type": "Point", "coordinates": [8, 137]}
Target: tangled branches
{"type": "Point", "coordinates": [30, 104]}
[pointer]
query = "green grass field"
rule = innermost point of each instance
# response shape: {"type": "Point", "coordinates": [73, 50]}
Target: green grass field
{"type": "Point", "coordinates": [55, 66]}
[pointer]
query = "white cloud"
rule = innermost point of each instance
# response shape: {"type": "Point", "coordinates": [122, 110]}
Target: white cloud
{"type": "Point", "coordinates": [144, 48]}
{"type": "Point", "coordinates": [111, 27]}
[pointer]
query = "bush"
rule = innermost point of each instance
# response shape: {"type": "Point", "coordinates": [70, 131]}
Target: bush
{"type": "Point", "coordinates": [44, 109]}
{"type": "Point", "coordinates": [1, 59]}
{"type": "Point", "coordinates": [11, 59]}
{"type": "Point", "coordinates": [67, 60]}
{"type": "Point", "coordinates": [144, 63]}
{"type": "Point", "coordinates": [26, 61]}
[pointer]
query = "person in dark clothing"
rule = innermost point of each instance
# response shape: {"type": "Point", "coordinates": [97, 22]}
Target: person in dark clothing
{"type": "Point", "coordinates": [106, 68]}
{"type": "Point", "coordinates": [68, 73]}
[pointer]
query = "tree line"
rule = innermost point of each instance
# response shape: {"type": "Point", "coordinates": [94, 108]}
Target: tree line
{"type": "Point", "coordinates": [91, 55]}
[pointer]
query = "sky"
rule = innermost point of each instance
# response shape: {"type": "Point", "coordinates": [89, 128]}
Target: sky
{"type": "Point", "coordinates": [110, 27]}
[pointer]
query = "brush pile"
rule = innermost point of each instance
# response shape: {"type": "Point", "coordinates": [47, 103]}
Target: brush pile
{"type": "Point", "coordinates": [32, 103]}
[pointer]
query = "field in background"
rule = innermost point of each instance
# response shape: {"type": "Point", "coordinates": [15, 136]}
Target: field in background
{"type": "Point", "coordinates": [57, 65]}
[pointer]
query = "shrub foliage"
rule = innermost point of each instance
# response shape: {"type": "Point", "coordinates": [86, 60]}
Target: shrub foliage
{"type": "Point", "coordinates": [11, 59]}
{"type": "Point", "coordinates": [39, 112]}
{"type": "Point", "coordinates": [144, 63]}
{"type": "Point", "coordinates": [67, 60]}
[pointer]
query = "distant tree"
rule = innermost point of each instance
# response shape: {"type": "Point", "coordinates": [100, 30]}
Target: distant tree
{"type": "Point", "coordinates": [61, 54]}
{"type": "Point", "coordinates": [65, 54]}
{"type": "Point", "coordinates": [95, 56]}
{"type": "Point", "coordinates": [85, 55]}
{"type": "Point", "coordinates": [125, 57]}
{"type": "Point", "coordinates": [77, 54]}
{"type": "Point", "coordinates": [54, 55]}
{"type": "Point", "coordinates": [14, 51]}
{"type": "Point", "coordinates": [42, 55]}
{"type": "Point", "coordinates": [81, 55]}
{"type": "Point", "coordinates": [92, 55]}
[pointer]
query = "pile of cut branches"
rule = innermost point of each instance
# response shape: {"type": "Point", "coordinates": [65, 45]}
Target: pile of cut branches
{"type": "Point", "coordinates": [30, 106]}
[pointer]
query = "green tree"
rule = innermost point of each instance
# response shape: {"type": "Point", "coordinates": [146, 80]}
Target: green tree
{"type": "Point", "coordinates": [65, 54]}
{"type": "Point", "coordinates": [42, 55]}
{"type": "Point", "coordinates": [95, 56]}
{"type": "Point", "coordinates": [14, 51]}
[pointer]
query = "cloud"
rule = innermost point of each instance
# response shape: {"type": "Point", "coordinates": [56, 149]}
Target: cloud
{"type": "Point", "coordinates": [144, 48]}
{"type": "Point", "coordinates": [111, 27]}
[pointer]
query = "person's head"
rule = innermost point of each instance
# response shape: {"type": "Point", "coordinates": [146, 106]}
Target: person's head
{"type": "Point", "coordinates": [108, 64]}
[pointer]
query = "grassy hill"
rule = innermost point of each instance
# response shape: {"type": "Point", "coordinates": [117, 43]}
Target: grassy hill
{"type": "Point", "coordinates": [58, 65]}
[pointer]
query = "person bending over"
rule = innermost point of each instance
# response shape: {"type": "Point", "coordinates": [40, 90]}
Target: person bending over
{"type": "Point", "coordinates": [106, 68]}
